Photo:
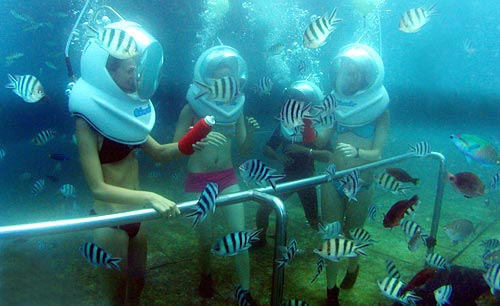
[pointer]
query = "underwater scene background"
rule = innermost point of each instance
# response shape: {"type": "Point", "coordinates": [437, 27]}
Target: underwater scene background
{"type": "Point", "coordinates": [442, 80]}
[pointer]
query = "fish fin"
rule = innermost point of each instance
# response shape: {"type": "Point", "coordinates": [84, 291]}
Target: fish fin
{"type": "Point", "coordinates": [273, 178]}
{"type": "Point", "coordinates": [113, 263]}
{"type": "Point", "coordinates": [197, 215]}
{"type": "Point", "coordinates": [254, 235]}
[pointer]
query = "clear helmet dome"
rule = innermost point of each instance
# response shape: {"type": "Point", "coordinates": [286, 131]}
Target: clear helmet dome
{"type": "Point", "coordinates": [356, 76]}
{"type": "Point", "coordinates": [305, 91]}
{"type": "Point", "coordinates": [218, 62]}
{"type": "Point", "coordinates": [147, 62]}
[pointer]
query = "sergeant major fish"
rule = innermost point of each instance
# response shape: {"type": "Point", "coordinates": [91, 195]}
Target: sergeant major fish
{"type": "Point", "coordinates": [442, 295]}
{"type": "Point", "coordinates": [43, 137]}
{"type": "Point", "coordinates": [256, 171]}
{"type": "Point", "coordinates": [414, 19]}
{"type": "Point", "coordinates": [293, 113]}
{"type": "Point", "coordinates": [99, 257]}
{"type": "Point", "coordinates": [235, 242]}
{"type": "Point", "coordinates": [388, 182]}
{"type": "Point", "coordinates": [27, 87]}
{"type": "Point", "coordinates": [392, 287]}
{"type": "Point", "coordinates": [351, 184]}
{"type": "Point", "coordinates": [116, 42]}
{"type": "Point", "coordinates": [318, 31]}
{"type": "Point", "coordinates": [288, 253]}
{"type": "Point", "coordinates": [223, 90]}
{"type": "Point", "coordinates": [68, 191]}
{"type": "Point", "coordinates": [264, 86]}
{"type": "Point", "coordinates": [336, 248]}
{"type": "Point", "coordinates": [205, 203]}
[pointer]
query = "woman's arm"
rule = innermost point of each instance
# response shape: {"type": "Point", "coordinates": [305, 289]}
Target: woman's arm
{"type": "Point", "coordinates": [92, 170]}
{"type": "Point", "coordinates": [161, 152]}
{"type": "Point", "coordinates": [245, 130]}
{"type": "Point", "coordinates": [186, 118]}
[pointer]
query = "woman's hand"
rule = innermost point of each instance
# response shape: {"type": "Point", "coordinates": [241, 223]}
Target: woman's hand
{"type": "Point", "coordinates": [348, 150]}
{"type": "Point", "coordinates": [213, 138]}
{"type": "Point", "coordinates": [252, 124]}
{"type": "Point", "coordinates": [164, 206]}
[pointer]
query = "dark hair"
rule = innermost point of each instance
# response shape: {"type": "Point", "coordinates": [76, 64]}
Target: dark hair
{"type": "Point", "coordinates": [113, 63]}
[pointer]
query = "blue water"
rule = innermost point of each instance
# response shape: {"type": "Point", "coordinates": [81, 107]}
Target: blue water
{"type": "Point", "coordinates": [436, 88]}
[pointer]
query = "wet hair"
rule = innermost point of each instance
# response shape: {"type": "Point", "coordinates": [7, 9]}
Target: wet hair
{"type": "Point", "coordinates": [113, 63]}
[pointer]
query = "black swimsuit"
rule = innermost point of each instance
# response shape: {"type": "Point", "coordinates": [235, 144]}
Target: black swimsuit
{"type": "Point", "coordinates": [112, 152]}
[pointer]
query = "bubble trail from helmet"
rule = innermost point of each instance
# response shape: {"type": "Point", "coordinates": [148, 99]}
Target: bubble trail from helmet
{"type": "Point", "coordinates": [27, 87]}
{"type": "Point", "coordinates": [99, 257]}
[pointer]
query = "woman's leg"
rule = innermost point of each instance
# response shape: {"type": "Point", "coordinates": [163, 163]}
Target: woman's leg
{"type": "Point", "coordinates": [113, 283]}
{"type": "Point", "coordinates": [235, 216]}
{"type": "Point", "coordinates": [137, 258]}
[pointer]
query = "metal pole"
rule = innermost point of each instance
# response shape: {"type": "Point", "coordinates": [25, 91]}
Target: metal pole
{"type": "Point", "coordinates": [438, 200]}
{"type": "Point", "coordinates": [279, 243]}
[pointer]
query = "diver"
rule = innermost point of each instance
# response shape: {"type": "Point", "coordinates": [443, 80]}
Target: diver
{"type": "Point", "coordinates": [297, 152]}
{"type": "Point", "coordinates": [113, 118]}
{"type": "Point", "coordinates": [362, 123]}
{"type": "Point", "coordinates": [219, 65]}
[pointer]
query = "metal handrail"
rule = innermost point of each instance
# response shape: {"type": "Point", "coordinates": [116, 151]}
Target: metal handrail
{"type": "Point", "coordinates": [262, 195]}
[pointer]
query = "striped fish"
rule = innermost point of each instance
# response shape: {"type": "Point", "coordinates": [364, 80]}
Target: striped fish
{"type": "Point", "coordinates": [336, 248]}
{"type": "Point", "coordinates": [351, 184]}
{"type": "Point", "coordinates": [205, 203]}
{"type": "Point", "coordinates": [392, 270]}
{"type": "Point", "coordinates": [435, 260]}
{"type": "Point", "coordinates": [414, 19]}
{"type": "Point", "coordinates": [328, 106]}
{"type": "Point", "coordinates": [318, 31]}
{"type": "Point", "coordinates": [330, 171]}
{"type": "Point", "coordinates": [264, 86]}
{"type": "Point", "coordinates": [256, 171]}
{"type": "Point", "coordinates": [27, 87]}
{"type": "Point", "coordinates": [241, 296]}
{"type": "Point", "coordinates": [372, 212]}
{"type": "Point", "coordinates": [331, 230]}
{"type": "Point", "coordinates": [391, 288]}
{"type": "Point", "coordinates": [116, 42]}
{"type": "Point", "coordinates": [442, 295]}
{"type": "Point", "coordinates": [491, 258]}
{"type": "Point", "coordinates": [38, 187]}
{"type": "Point", "coordinates": [287, 254]}
{"type": "Point", "coordinates": [390, 183]}
{"type": "Point", "coordinates": [422, 148]}
{"type": "Point", "coordinates": [293, 112]}
{"type": "Point", "coordinates": [320, 265]}
{"type": "Point", "coordinates": [413, 233]}
{"type": "Point", "coordinates": [495, 182]}
{"type": "Point", "coordinates": [235, 242]}
{"type": "Point", "coordinates": [223, 90]}
{"type": "Point", "coordinates": [99, 257]}
{"type": "Point", "coordinates": [492, 278]}
{"type": "Point", "coordinates": [490, 244]}
{"type": "Point", "coordinates": [326, 121]}
{"type": "Point", "coordinates": [67, 190]}
{"type": "Point", "coordinates": [360, 235]}
{"type": "Point", "coordinates": [43, 137]}
{"type": "Point", "coordinates": [295, 302]}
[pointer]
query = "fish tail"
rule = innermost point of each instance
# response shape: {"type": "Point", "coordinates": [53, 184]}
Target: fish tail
{"type": "Point", "coordinates": [432, 10]}
{"type": "Point", "coordinates": [273, 178]}
{"type": "Point", "coordinates": [254, 235]}
{"type": "Point", "coordinates": [113, 263]}
{"type": "Point", "coordinates": [196, 215]}
{"type": "Point", "coordinates": [359, 249]}
{"type": "Point", "coordinates": [205, 89]}
{"type": "Point", "coordinates": [332, 20]}
{"type": "Point", "coordinates": [12, 83]}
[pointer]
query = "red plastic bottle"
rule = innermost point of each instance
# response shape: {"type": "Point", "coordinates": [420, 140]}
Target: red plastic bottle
{"type": "Point", "coordinates": [309, 134]}
{"type": "Point", "coordinates": [199, 131]}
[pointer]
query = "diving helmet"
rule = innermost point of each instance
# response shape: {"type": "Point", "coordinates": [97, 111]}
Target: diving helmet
{"type": "Point", "coordinates": [215, 63]}
{"type": "Point", "coordinates": [357, 74]}
{"type": "Point", "coordinates": [103, 104]}
{"type": "Point", "coordinates": [305, 91]}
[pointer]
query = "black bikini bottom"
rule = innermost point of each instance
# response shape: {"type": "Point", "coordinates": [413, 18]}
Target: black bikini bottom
{"type": "Point", "coordinates": [131, 229]}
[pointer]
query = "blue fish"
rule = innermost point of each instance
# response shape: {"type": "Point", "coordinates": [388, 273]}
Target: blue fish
{"type": "Point", "coordinates": [205, 203]}
{"type": "Point", "coordinates": [99, 257]}
{"type": "Point", "coordinates": [476, 148]}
